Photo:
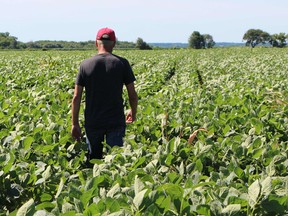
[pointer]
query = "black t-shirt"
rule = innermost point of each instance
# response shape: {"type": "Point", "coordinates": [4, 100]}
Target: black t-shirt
{"type": "Point", "coordinates": [103, 77]}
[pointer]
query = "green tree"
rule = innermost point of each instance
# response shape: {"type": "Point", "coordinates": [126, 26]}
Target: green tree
{"type": "Point", "coordinates": [209, 42]}
{"type": "Point", "coordinates": [142, 45]}
{"type": "Point", "coordinates": [7, 41]}
{"type": "Point", "coordinates": [196, 40]}
{"type": "Point", "coordinates": [33, 45]}
{"type": "Point", "coordinates": [279, 40]}
{"type": "Point", "coordinates": [254, 37]}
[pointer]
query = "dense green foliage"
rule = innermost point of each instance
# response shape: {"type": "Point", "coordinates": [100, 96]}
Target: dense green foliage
{"type": "Point", "coordinates": [198, 41]}
{"type": "Point", "coordinates": [253, 37]}
{"type": "Point", "coordinates": [279, 40]}
{"type": "Point", "coordinates": [142, 45]}
{"type": "Point", "coordinates": [238, 167]}
{"type": "Point", "coordinates": [7, 41]}
{"type": "Point", "coordinates": [209, 42]}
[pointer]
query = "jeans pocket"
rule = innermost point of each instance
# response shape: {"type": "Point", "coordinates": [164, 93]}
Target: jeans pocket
{"type": "Point", "coordinates": [114, 137]}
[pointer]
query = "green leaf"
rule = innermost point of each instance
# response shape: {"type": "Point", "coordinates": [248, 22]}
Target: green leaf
{"type": "Point", "coordinates": [93, 182]}
{"type": "Point", "coordinates": [9, 162]}
{"type": "Point", "coordinates": [254, 192]}
{"type": "Point", "coordinates": [46, 197]}
{"type": "Point", "coordinates": [115, 189]}
{"type": "Point", "coordinates": [175, 191]}
{"type": "Point", "coordinates": [266, 186]}
{"type": "Point", "coordinates": [258, 125]}
{"type": "Point", "coordinates": [139, 162]}
{"type": "Point", "coordinates": [166, 204]}
{"type": "Point", "coordinates": [226, 129]}
{"type": "Point", "coordinates": [181, 169]}
{"type": "Point", "coordinates": [257, 153]}
{"type": "Point", "coordinates": [169, 159]}
{"type": "Point", "coordinates": [199, 165]}
{"type": "Point", "coordinates": [257, 143]}
{"type": "Point", "coordinates": [239, 172]}
{"type": "Point", "coordinates": [152, 210]}
{"type": "Point", "coordinates": [74, 192]}
{"type": "Point", "coordinates": [5, 104]}
{"type": "Point", "coordinates": [87, 196]}
{"type": "Point", "coordinates": [68, 208]}
{"type": "Point", "coordinates": [171, 147]}
{"type": "Point", "coordinates": [60, 187]}
{"type": "Point", "coordinates": [237, 200]}
{"type": "Point", "coordinates": [47, 148]}
{"type": "Point", "coordinates": [28, 209]}
{"type": "Point", "coordinates": [275, 205]}
{"type": "Point", "coordinates": [45, 205]}
{"type": "Point", "coordinates": [173, 177]}
{"type": "Point", "coordinates": [138, 185]}
{"type": "Point", "coordinates": [279, 159]}
{"type": "Point", "coordinates": [138, 199]}
{"type": "Point", "coordinates": [91, 210]}
{"type": "Point", "coordinates": [3, 159]}
{"type": "Point", "coordinates": [78, 205]}
{"type": "Point", "coordinates": [27, 142]}
{"type": "Point", "coordinates": [247, 142]}
{"type": "Point", "coordinates": [205, 149]}
{"type": "Point", "coordinates": [112, 204]}
{"type": "Point", "coordinates": [232, 208]}
{"type": "Point", "coordinates": [47, 173]}
{"type": "Point", "coordinates": [203, 210]}
{"type": "Point", "coordinates": [270, 169]}
{"type": "Point", "coordinates": [40, 181]}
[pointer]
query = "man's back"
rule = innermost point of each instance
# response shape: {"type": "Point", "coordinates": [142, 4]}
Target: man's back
{"type": "Point", "coordinates": [103, 77]}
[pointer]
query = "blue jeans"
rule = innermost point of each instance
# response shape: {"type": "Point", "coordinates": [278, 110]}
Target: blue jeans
{"type": "Point", "coordinates": [95, 139]}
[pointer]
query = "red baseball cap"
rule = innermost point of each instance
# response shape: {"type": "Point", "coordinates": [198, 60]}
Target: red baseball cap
{"type": "Point", "coordinates": [106, 34]}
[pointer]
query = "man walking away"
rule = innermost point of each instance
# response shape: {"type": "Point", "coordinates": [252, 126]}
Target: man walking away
{"type": "Point", "coordinates": [103, 76]}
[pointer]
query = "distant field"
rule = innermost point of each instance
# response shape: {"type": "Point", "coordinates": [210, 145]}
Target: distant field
{"type": "Point", "coordinates": [236, 165]}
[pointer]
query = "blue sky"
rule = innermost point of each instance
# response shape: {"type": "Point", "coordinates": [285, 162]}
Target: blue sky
{"type": "Point", "coordinates": [152, 20]}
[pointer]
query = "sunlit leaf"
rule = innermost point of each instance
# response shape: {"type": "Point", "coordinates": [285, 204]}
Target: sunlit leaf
{"type": "Point", "coordinates": [232, 208]}
{"type": "Point", "coordinates": [138, 199]}
{"type": "Point", "coordinates": [254, 192]}
{"type": "Point", "coordinates": [28, 209]}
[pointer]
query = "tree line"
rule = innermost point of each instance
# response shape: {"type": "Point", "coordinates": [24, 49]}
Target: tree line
{"type": "Point", "coordinates": [8, 41]}
{"type": "Point", "coordinates": [252, 38]}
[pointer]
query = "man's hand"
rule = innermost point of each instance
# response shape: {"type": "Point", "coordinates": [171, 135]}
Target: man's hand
{"type": "Point", "coordinates": [129, 117]}
{"type": "Point", "coordinates": [76, 132]}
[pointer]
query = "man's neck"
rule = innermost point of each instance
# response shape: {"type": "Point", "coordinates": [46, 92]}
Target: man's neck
{"type": "Point", "coordinates": [103, 52]}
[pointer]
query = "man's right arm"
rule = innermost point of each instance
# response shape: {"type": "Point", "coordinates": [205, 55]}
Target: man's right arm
{"type": "Point", "coordinates": [76, 102]}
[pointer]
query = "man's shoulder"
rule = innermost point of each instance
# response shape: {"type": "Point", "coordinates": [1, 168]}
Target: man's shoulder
{"type": "Point", "coordinates": [90, 59]}
{"type": "Point", "coordinates": [122, 59]}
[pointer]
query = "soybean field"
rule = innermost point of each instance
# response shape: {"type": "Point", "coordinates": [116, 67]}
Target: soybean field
{"type": "Point", "coordinates": [211, 136]}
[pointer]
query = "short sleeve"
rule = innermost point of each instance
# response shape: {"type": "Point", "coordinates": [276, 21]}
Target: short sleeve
{"type": "Point", "coordinates": [128, 74]}
{"type": "Point", "coordinates": [80, 77]}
